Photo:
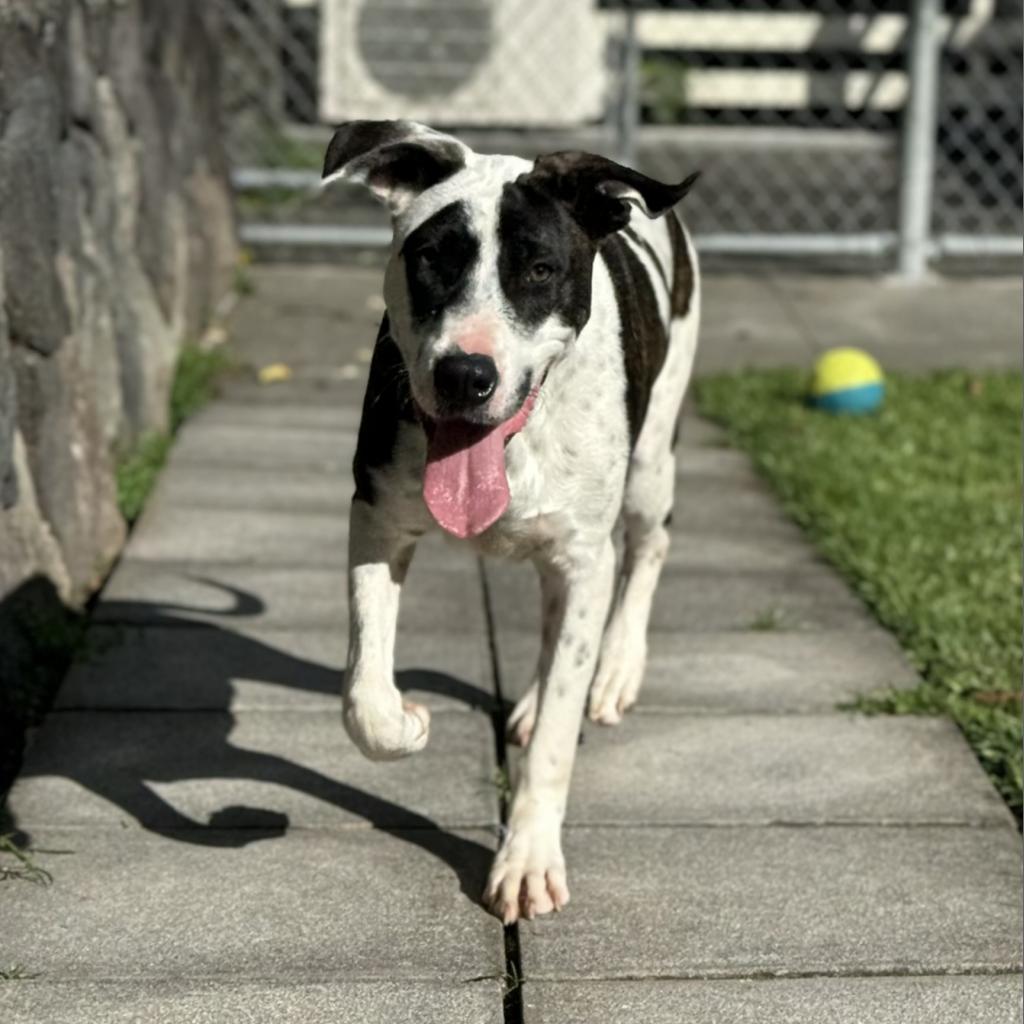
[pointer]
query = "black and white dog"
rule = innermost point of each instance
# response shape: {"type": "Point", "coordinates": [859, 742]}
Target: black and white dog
{"type": "Point", "coordinates": [523, 394]}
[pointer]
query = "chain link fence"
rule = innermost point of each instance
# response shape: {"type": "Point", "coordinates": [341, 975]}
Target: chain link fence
{"type": "Point", "coordinates": [888, 130]}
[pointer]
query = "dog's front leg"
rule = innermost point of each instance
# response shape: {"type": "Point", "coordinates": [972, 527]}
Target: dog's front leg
{"type": "Point", "coordinates": [528, 876]}
{"type": "Point", "coordinates": [524, 714]}
{"type": "Point", "coordinates": [381, 724]}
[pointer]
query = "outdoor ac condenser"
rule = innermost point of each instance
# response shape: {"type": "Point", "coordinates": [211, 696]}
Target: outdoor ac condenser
{"type": "Point", "coordinates": [528, 63]}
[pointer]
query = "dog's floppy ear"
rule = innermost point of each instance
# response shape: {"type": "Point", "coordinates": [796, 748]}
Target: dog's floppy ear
{"type": "Point", "coordinates": [598, 191]}
{"type": "Point", "coordinates": [396, 160]}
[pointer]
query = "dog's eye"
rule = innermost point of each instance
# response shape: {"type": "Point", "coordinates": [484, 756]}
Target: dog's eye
{"type": "Point", "coordinates": [427, 257]}
{"type": "Point", "coordinates": [540, 272]}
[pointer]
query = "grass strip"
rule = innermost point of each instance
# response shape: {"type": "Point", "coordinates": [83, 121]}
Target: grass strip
{"type": "Point", "coordinates": [195, 379]}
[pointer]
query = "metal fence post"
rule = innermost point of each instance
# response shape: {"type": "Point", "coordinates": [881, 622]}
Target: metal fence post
{"type": "Point", "coordinates": [629, 90]}
{"type": "Point", "coordinates": [919, 137]}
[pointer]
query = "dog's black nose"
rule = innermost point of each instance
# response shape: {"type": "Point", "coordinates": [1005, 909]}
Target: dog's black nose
{"type": "Point", "coordinates": [465, 381]}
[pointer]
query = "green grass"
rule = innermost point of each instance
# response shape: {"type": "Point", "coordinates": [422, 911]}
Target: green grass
{"type": "Point", "coordinates": [137, 472]}
{"type": "Point", "coordinates": [502, 784]}
{"type": "Point", "coordinates": [282, 149]}
{"type": "Point", "coordinates": [16, 973]}
{"type": "Point", "coordinates": [273, 202]}
{"type": "Point", "coordinates": [663, 89]}
{"type": "Point", "coordinates": [195, 381]}
{"type": "Point", "coordinates": [768, 620]}
{"type": "Point", "coordinates": [21, 865]}
{"type": "Point", "coordinates": [919, 506]}
{"type": "Point", "coordinates": [243, 282]}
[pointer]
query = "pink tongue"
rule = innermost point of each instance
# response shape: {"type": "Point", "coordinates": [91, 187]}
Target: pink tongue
{"type": "Point", "coordinates": [464, 484]}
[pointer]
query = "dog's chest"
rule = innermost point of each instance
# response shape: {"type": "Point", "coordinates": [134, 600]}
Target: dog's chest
{"type": "Point", "coordinates": [566, 470]}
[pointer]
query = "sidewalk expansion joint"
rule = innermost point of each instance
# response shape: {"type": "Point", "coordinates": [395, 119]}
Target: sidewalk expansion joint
{"type": "Point", "coordinates": [513, 1001]}
{"type": "Point", "coordinates": [1008, 968]}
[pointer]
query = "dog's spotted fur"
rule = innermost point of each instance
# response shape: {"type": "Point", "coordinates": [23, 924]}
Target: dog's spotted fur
{"type": "Point", "coordinates": [575, 276]}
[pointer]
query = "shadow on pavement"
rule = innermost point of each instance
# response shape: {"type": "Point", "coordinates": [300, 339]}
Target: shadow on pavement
{"type": "Point", "coordinates": [124, 777]}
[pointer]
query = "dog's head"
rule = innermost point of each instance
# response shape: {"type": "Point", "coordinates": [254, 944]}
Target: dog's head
{"type": "Point", "coordinates": [488, 285]}
{"type": "Point", "coordinates": [490, 272]}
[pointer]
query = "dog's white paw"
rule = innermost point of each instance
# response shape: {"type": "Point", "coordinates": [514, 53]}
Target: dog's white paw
{"type": "Point", "coordinates": [528, 875]}
{"type": "Point", "coordinates": [386, 732]}
{"type": "Point", "coordinates": [523, 718]}
{"type": "Point", "coordinates": [617, 683]}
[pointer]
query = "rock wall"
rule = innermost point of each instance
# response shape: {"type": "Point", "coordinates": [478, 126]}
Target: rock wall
{"type": "Point", "coordinates": [116, 242]}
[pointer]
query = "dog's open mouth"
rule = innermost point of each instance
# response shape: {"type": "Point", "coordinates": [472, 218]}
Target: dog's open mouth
{"type": "Point", "coordinates": [464, 484]}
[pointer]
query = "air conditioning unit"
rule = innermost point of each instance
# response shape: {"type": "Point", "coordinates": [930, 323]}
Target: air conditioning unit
{"type": "Point", "coordinates": [528, 63]}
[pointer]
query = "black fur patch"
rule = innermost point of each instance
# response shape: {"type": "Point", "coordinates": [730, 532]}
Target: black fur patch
{"type": "Point", "coordinates": [439, 259]}
{"type": "Point", "coordinates": [642, 242]}
{"type": "Point", "coordinates": [593, 188]}
{"type": "Point", "coordinates": [417, 168]}
{"type": "Point", "coordinates": [393, 155]}
{"type": "Point", "coordinates": [644, 339]}
{"type": "Point", "coordinates": [682, 275]}
{"type": "Point", "coordinates": [356, 138]}
{"type": "Point", "coordinates": [387, 402]}
{"type": "Point", "coordinates": [535, 230]}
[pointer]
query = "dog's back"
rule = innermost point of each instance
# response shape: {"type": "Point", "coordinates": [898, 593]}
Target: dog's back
{"type": "Point", "coordinates": [654, 273]}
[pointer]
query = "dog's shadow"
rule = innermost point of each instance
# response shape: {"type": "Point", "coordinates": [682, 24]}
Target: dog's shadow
{"type": "Point", "coordinates": [124, 776]}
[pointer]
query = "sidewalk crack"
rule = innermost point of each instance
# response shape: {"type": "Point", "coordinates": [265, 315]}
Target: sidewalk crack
{"type": "Point", "coordinates": [513, 1001]}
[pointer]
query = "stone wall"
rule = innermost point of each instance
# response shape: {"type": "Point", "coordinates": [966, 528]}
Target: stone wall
{"type": "Point", "coordinates": [116, 242]}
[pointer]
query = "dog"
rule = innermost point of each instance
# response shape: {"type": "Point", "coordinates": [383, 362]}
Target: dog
{"type": "Point", "coordinates": [523, 396]}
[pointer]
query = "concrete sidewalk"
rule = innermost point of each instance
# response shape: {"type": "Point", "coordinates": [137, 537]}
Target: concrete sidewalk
{"type": "Point", "coordinates": [739, 850]}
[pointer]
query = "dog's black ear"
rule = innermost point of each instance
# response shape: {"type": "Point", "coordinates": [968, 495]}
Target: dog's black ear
{"type": "Point", "coordinates": [598, 191]}
{"type": "Point", "coordinates": [396, 160]}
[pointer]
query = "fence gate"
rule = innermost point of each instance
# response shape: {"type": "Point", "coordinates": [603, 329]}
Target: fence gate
{"type": "Point", "coordinates": [889, 130]}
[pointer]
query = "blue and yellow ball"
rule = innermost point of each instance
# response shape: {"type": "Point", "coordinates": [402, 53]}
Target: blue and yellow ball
{"type": "Point", "coordinates": [847, 380]}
